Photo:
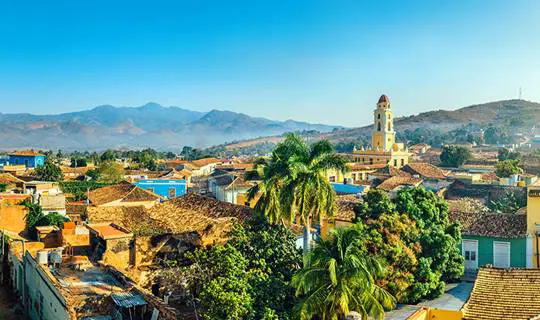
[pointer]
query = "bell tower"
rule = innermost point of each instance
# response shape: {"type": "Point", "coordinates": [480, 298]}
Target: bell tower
{"type": "Point", "coordinates": [383, 137]}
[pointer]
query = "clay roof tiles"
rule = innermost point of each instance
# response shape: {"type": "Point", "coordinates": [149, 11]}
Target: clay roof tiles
{"type": "Point", "coordinates": [123, 191]}
{"type": "Point", "coordinates": [8, 178]}
{"type": "Point", "coordinates": [510, 294]}
{"type": "Point", "coordinates": [30, 153]}
{"type": "Point", "coordinates": [425, 170]}
{"type": "Point", "coordinates": [504, 225]}
{"type": "Point", "coordinates": [396, 181]}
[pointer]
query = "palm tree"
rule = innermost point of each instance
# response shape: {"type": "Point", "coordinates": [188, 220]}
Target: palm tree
{"type": "Point", "coordinates": [293, 182]}
{"type": "Point", "coordinates": [338, 278]}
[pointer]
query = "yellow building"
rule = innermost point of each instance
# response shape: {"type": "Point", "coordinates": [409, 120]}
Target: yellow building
{"type": "Point", "coordinates": [384, 149]}
{"type": "Point", "coordinates": [533, 225]}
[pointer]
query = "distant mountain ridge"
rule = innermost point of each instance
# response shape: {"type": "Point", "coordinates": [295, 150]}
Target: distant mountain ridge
{"type": "Point", "coordinates": [517, 114]}
{"type": "Point", "coordinates": [150, 125]}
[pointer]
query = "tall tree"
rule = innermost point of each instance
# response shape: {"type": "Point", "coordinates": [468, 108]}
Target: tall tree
{"type": "Point", "coordinates": [338, 278]}
{"type": "Point", "coordinates": [294, 184]}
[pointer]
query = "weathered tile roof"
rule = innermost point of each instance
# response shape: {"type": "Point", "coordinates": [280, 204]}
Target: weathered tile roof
{"type": "Point", "coordinates": [504, 225]}
{"type": "Point", "coordinates": [205, 161]}
{"type": "Point", "coordinates": [210, 218]}
{"type": "Point", "coordinates": [489, 176]}
{"type": "Point", "coordinates": [8, 178]}
{"type": "Point", "coordinates": [123, 191]}
{"type": "Point", "coordinates": [391, 172]}
{"type": "Point", "coordinates": [31, 153]}
{"type": "Point", "coordinates": [510, 294]}
{"type": "Point", "coordinates": [345, 207]}
{"type": "Point", "coordinates": [425, 170]}
{"type": "Point", "coordinates": [396, 181]}
{"type": "Point", "coordinates": [466, 205]}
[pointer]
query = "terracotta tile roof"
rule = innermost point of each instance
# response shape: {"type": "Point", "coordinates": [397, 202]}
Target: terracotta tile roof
{"type": "Point", "coordinates": [345, 207]}
{"type": "Point", "coordinates": [391, 172]}
{"type": "Point", "coordinates": [8, 178]}
{"type": "Point", "coordinates": [176, 174]}
{"type": "Point", "coordinates": [466, 205]}
{"type": "Point", "coordinates": [489, 176]}
{"type": "Point", "coordinates": [504, 225]}
{"type": "Point", "coordinates": [123, 191]}
{"type": "Point", "coordinates": [207, 217]}
{"type": "Point", "coordinates": [510, 294]}
{"type": "Point", "coordinates": [425, 170]}
{"type": "Point", "coordinates": [75, 208]}
{"type": "Point", "coordinates": [26, 153]}
{"type": "Point", "coordinates": [205, 161]}
{"type": "Point", "coordinates": [396, 181]}
{"type": "Point", "coordinates": [109, 230]}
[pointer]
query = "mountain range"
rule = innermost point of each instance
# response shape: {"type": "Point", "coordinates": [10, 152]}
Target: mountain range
{"type": "Point", "coordinates": [514, 115]}
{"type": "Point", "coordinates": [151, 125]}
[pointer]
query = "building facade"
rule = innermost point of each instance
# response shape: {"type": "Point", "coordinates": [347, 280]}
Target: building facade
{"type": "Point", "coordinates": [384, 148]}
{"type": "Point", "coordinates": [30, 159]}
{"type": "Point", "coordinates": [166, 188]}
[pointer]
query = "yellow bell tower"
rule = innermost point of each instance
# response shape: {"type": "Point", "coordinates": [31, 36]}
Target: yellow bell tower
{"type": "Point", "coordinates": [384, 136]}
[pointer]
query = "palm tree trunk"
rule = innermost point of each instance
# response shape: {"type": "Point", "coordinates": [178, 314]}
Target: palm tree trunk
{"type": "Point", "coordinates": [307, 236]}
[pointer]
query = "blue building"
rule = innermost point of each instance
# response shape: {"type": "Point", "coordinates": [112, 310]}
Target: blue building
{"type": "Point", "coordinates": [166, 188]}
{"type": "Point", "coordinates": [29, 158]}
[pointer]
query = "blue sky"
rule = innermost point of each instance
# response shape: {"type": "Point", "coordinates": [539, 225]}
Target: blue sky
{"type": "Point", "coordinates": [319, 61]}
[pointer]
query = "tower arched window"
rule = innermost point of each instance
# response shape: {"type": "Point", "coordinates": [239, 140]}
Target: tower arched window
{"type": "Point", "coordinates": [379, 116]}
{"type": "Point", "coordinates": [378, 126]}
{"type": "Point", "coordinates": [389, 126]}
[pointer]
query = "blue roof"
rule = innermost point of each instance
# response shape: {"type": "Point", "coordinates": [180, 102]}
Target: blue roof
{"type": "Point", "coordinates": [348, 188]}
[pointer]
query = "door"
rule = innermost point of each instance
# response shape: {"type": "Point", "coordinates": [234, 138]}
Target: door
{"type": "Point", "coordinates": [470, 253]}
{"type": "Point", "coordinates": [501, 254]}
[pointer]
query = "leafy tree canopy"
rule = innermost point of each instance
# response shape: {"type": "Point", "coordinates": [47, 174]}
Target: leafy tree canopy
{"type": "Point", "coordinates": [507, 168]}
{"type": "Point", "coordinates": [414, 236]}
{"type": "Point", "coordinates": [454, 156]}
{"type": "Point", "coordinates": [49, 171]}
{"type": "Point", "coordinates": [109, 172]}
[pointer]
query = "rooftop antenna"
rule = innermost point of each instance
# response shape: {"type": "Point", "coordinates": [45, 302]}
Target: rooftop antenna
{"type": "Point", "coordinates": [520, 94]}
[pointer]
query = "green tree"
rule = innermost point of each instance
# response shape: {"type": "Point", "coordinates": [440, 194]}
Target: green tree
{"type": "Point", "coordinates": [505, 154]}
{"type": "Point", "coordinates": [509, 203]}
{"type": "Point", "coordinates": [338, 278]}
{"type": "Point", "coordinates": [3, 187]}
{"type": "Point", "coordinates": [507, 168]}
{"type": "Point", "coordinates": [108, 155]}
{"type": "Point", "coordinates": [376, 202]}
{"type": "Point", "coordinates": [225, 293]}
{"type": "Point", "coordinates": [49, 171]}
{"type": "Point", "coordinates": [414, 236]}
{"type": "Point", "coordinates": [294, 182]}
{"type": "Point", "coordinates": [109, 172]}
{"type": "Point", "coordinates": [454, 156]}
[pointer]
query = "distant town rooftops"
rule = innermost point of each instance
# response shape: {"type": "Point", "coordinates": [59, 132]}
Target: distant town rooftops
{"type": "Point", "coordinates": [425, 170]}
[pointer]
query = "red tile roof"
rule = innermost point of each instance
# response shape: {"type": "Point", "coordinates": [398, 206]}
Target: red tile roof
{"type": "Point", "coordinates": [31, 153]}
{"type": "Point", "coordinates": [396, 181]}
{"type": "Point", "coordinates": [504, 225]}
{"type": "Point", "coordinates": [124, 191]}
{"type": "Point", "coordinates": [425, 170]}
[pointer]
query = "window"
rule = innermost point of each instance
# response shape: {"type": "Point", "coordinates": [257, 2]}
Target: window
{"type": "Point", "coordinates": [379, 116]}
{"type": "Point", "coordinates": [378, 126]}
{"type": "Point", "coordinates": [172, 193]}
{"type": "Point", "coordinates": [389, 126]}
{"type": "Point", "coordinates": [395, 162]}
{"type": "Point", "coordinates": [332, 179]}
{"type": "Point", "coordinates": [402, 162]}
{"type": "Point", "coordinates": [354, 176]}
{"type": "Point", "coordinates": [388, 116]}
{"type": "Point", "coordinates": [371, 161]}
